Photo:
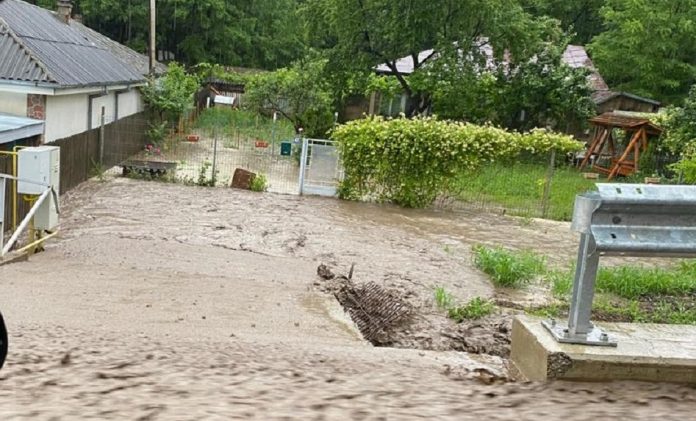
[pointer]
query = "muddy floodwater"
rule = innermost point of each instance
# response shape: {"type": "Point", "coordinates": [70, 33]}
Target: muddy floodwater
{"type": "Point", "coordinates": [161, 301]}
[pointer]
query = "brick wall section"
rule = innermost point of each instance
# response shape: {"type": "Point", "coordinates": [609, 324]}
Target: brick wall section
{"type": "Point", "coordinates": [36, 106]}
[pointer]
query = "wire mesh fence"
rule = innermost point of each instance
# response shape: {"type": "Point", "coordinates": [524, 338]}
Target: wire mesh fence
{"type": "Point", "coordinates": [208, 151]}
{"type": "Point", "coordinates": [539, 186]}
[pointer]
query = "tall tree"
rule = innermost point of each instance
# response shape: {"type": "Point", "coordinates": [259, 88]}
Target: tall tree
{"type": "Point", "coordinates": [365, 33]}
{"type": "Point", "coordinates": [579, 18]}
{"type": "Point", "coordinates": [648, 47]}
{"type": "Point", "coordinates": [249, 33]}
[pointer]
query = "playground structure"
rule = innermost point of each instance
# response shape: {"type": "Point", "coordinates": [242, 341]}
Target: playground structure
{"type": "Point", "coordinates": [605, 150]}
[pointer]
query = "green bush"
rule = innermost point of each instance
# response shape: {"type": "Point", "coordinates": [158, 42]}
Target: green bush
{"type": "Point", "coordinates": [411, 161]}
{"type": "Point", "coordinates": [507, 268]}
{"type": "Point", "coordinates": [259, 183]}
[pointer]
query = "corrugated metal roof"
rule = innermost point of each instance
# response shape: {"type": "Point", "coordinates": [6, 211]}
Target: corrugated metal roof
{"type": "Point", "coordinates": [68, 55]}
{"type": "Point", "coordinates": [15, 128]}
{"type": "Point", "coordinates": [16, 61]}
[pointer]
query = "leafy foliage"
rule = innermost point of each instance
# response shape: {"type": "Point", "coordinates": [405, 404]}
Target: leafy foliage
{"type": "Point", "coordinates": [578, 17]}
{"type": "Point", "coordinates": [240, 32]}
{"type": "Point", "coordinates": [540, 92]}
{"type": "Point", "coordinates": [359, 34]}
{"type": "Point", "coordinates": [299, 93]}
{"type": "Point", "coordinates": [259, 183]}
{"type": "Point", "coordinates": [410, 162]}
{"type": "Point", "coordinates": [170, 95]}
{"type": "Point", "coordinates": [648, 47]}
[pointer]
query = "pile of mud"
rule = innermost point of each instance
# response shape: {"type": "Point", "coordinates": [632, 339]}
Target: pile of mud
{"type": "Point", "coordinates": [387, 318]}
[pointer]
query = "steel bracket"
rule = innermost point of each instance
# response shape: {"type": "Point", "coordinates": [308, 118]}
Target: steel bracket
{"type": "Point", "coordinates": [594, 337]}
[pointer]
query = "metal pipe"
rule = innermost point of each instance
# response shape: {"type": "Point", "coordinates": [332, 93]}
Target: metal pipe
{"type": "Point", "coordinates": [15, 193]}
{"type": "Point", "coordinates": [152, 42]}
{"type": "Point", "coordinates": [14, 187]}
{"type": "Point", "coordinates": [38, 242]}
{"type": "Point", "coordinates": [25, 222]}
{"type": "Point", "coordinates": [303, 162]}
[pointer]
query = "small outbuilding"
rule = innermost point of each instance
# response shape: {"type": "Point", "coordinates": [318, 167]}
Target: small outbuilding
{"type": "Point", "coordinates": [607, 101]}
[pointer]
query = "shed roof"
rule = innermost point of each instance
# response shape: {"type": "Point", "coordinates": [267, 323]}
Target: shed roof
{"type": "Point", "coordinates": [623, 120]}
{"type": "Point", "coordinates": [600, 97]}
{"type": "Point", "coordinates": [37, 47]}
{"type": "Point", "coordinates": [15, 128]}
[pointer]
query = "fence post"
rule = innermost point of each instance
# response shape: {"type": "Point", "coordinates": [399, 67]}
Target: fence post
{"type": "Point", "coordinates": [101, 136]}
{"type": "Point", "coordinates": [303, 162]}
{"type": "Point", "coordinates": [547, 185]}
{"type": "Point", "coordinates": [215, 143]}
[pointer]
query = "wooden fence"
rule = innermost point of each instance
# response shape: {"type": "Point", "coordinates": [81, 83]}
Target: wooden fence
{"type": "Point", "coordinates": [80, 155]}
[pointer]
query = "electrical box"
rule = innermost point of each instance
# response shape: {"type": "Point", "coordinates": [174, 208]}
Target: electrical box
{"type": "Point", "coordinates": [40, 165]}
{"type": "Point", "coordinates": [37, 168]}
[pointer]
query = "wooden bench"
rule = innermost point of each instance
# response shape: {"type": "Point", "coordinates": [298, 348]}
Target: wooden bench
{"type": "Point", "coordinates": [154, 168]}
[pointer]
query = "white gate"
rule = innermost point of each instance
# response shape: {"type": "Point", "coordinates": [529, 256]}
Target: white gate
{"type": "Point", "coordinates": [321, 170]}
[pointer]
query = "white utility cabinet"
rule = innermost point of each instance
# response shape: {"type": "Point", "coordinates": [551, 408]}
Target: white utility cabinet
{"type": "Point", "coordinates": [41, 165]}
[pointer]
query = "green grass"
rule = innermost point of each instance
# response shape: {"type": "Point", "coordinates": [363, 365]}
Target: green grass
{"type": "Point", "coordinates": [608, 309]}
{"type": "Point", "coordinates": [633, 282]}
{"type": "Point", "coordinates": [246, 124]}
{"type": "Point", "coordinates": [507, 268]}
{"type": "Point", "coordinates": [634, 294]}
{"type": "Point", "coordinates": [473, 310]}
{"type": "Point", "coordinates": [443, 299]}
{"type": "Point", "coordinates": [519, 188]}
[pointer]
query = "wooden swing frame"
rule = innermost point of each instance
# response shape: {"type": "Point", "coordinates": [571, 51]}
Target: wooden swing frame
{"type": "Point", "coordinates": [624, 163]}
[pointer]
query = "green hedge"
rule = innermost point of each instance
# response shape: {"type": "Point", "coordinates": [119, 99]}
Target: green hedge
{"type": "Point", "coordinates": [411, 161]}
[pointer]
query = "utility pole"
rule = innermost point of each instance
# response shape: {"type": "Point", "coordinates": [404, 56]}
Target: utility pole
{"type": "Point", "coordinates": [153, 27]}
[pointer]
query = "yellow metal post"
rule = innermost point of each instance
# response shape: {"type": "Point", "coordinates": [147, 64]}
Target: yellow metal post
{"type": "Point", "coordinates": [14, 186]}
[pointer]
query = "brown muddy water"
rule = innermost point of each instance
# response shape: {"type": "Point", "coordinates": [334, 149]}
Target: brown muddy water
{"type": "Point", "coordinates": [161, 301]}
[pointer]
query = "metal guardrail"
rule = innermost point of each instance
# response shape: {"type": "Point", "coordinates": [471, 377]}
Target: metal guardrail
{"type": "Point", "coordinates": [624, 220]}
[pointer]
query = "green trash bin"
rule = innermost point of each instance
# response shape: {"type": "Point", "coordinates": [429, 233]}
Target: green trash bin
{"type": "Point", "coordinates": [286, 148]}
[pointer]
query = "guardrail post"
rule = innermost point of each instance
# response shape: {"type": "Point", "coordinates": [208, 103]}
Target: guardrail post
{"type": "Point", "coordinates": [583, 287]}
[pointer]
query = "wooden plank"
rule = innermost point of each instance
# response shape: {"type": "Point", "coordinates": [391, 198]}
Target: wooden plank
{"type": "Point", "coordinates": [617, 166]}
{"type": "Point", "coordinates": [597, 142]}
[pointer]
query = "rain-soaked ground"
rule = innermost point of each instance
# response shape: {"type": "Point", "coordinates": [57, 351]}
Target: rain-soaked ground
{"type": "Point", "coordinates": [161, 301]}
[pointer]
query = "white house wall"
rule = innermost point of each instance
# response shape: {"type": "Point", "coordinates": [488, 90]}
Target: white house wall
{"type": "Point", "coordinates": [66, 116]}
{"type": "Point", "coordinates": [129, 103]}
{"type": "Point", "coordinates": [13, 103]}
{"type": "Point", "coordinates": [107, 101]}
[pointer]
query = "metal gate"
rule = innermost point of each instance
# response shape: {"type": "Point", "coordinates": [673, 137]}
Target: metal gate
{"type": "Point", "coordinates": [321, 169]}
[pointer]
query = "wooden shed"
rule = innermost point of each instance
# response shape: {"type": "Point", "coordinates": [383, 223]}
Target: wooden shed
{"type": "Point", "coordinates": [614, 156]}
{"type": "Point", "coordinates": [607, 101]}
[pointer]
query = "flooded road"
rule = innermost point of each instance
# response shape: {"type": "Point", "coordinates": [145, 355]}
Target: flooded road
{"type": "Point", "coordinates": [160, 301]}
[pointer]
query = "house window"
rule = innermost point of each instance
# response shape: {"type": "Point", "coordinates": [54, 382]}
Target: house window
{"type": "Point", "coordinates": [392, 106]}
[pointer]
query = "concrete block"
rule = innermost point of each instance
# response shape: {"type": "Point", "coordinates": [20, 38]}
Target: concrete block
{"type": "Point", "coordinates": [645, 352]}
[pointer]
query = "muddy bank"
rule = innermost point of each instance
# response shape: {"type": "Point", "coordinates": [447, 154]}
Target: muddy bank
{"type": "Point", "coordinates": [387, 318]}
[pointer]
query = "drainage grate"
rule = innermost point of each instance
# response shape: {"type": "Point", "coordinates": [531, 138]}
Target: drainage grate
{"type": "Point", "coordinates": [379, 313]}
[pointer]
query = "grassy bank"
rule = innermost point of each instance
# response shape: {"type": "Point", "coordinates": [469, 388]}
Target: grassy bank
{"type": "Point", "coordinates": [519, 188]}
{"type": "Point", "coordinates": [623, 293]}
